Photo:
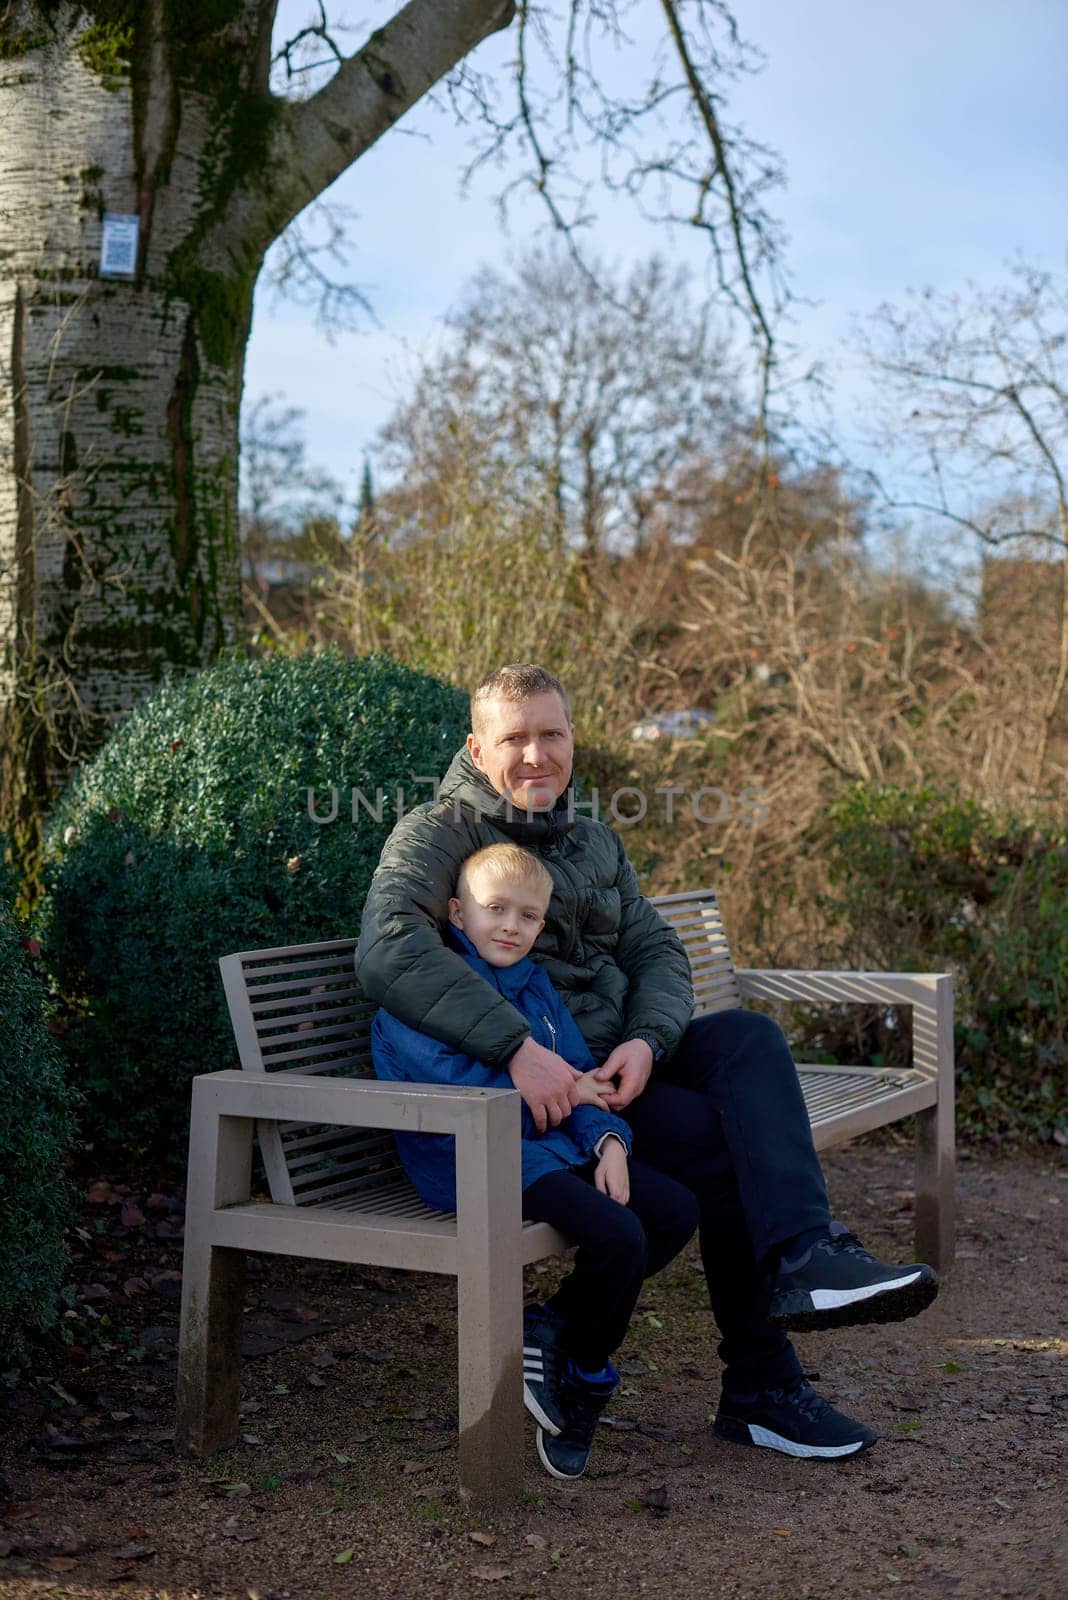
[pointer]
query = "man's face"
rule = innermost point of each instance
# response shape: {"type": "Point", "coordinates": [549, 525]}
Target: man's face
{"type": "Point", "coordinates": [526, 749]}
{"type": "Point", "coordinates": [502, 920]}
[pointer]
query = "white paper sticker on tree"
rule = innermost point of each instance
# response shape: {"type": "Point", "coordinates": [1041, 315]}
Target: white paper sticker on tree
{"type": "Point", "coordinates": [118, 247]}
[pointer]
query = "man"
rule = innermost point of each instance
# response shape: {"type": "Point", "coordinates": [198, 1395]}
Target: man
{"type": "Point", "coordinates": [722, 1112]}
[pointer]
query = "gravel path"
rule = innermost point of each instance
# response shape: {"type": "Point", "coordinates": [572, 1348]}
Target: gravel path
{"type": "Point", "coordinates": [344, 1482]}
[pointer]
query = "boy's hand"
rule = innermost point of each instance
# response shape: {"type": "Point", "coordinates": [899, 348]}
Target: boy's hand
{"type": "Point", "coordinates": [632, 1064]}
{"type": "Point", "coordinates": [589, 1090]}
{"type": "Point", "coordinates": [612, 1175]}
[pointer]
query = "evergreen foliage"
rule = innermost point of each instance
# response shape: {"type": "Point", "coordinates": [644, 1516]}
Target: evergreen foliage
{"type": "Point", "coordinates": [930, 881]}
{"type": "Point", "coordinates": [35, 1133]}
{"type": "Point", "coordinates": [190, 835]}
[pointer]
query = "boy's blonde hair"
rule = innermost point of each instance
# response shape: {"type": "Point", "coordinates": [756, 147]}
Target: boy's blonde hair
{"type": "Point", "coordinates": [508, 863]}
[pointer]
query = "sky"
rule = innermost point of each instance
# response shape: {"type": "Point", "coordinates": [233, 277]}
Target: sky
{"type": "Point", "coordinates": [925, 143]}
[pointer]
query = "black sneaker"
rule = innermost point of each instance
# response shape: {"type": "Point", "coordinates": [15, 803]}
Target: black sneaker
{"type": "Point", "coordinates": [543, 1367]}
{"type": "Point", "coordinates": [793, 1420]}
{"type": "Point", "coordinates": [565, 1454]}
{"type": "Point", "coordinates": [836, 1283]}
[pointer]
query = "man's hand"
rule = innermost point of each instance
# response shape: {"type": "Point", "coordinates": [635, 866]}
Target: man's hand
{"type": "Point", "coordinates": [544, 1080]}
{"type": "Point", "coordinates": [630, 1063]}
{"type": "Point", "coordinates": [612, 1175]}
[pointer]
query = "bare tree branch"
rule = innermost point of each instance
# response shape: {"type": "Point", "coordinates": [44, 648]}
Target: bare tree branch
{"type": "Point", "coordinates": [315, 140]}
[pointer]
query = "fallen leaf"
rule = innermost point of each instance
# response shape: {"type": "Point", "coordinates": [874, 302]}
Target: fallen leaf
{"type": "Point", "coordinates": [59, 1563]}
{"type": "Point", "coordinates": [536, 1541]}
{"type": "Point", "coordinates": [781, 1533]}
{"type": "Point", "coordinates": [232, 1529]}
{"type": "Point", "coordinates": [482, 1538]}
{"type": "Point", "coordinates": [415, 1466]}
{"type": "Point", "coordinates": [491, 1574]}
{"type": "Point", "coordinates": [655, 1499]}
{"type": "Point", "coordinates": [314, 1381]}
{"type": "Point", "coordinates": [134, 1552]}
{"type": "Point", "coordinates": [343, 1556]}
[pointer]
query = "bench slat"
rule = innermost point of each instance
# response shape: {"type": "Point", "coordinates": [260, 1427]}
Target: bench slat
{"type": "Point", "coordinates": [318, 997]}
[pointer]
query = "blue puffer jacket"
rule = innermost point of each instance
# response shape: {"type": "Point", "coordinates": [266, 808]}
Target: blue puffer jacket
{"type": "Point", "coordinates": [402, 1054]}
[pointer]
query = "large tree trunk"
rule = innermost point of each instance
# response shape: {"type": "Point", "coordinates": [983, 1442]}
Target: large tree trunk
{"type": "Point", "coordinates": [119, 401]}
{"type": "Point", "coordinates": [119, 411]}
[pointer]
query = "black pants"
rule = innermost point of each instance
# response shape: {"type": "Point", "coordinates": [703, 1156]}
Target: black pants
{"type": "Point", "coordinates": [618, 1247]}
{"type": "Point", "coordinates": [726, 1118]}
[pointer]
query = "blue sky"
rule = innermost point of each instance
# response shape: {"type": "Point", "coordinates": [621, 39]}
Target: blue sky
{"type": "Point", "coordinates": [924, 143]}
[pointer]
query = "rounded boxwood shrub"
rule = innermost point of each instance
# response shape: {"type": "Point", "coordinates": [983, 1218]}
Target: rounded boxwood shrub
{"type": "Point", "coordinates": [191, 834]}
{"type": "Point", "coordinates": [35, 1134]}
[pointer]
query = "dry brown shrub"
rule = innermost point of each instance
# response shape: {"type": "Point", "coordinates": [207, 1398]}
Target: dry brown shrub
{"type": "Point", "coordinates": [822, 673]}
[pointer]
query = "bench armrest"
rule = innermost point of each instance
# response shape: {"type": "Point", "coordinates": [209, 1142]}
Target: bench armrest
{"type": "Point", "coordinates": [930, 994]}
{"type": "Point", "coordinates": [348, 1102]}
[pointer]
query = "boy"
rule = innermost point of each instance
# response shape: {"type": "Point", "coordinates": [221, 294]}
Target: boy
{"type": "Point", "coordinates": [627, 1219]}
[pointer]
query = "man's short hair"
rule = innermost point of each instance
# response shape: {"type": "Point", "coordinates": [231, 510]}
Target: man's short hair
{"type": "Point", "coordinates": [519, 680]}
{"type": "Point", "coordinates": [508, 863]}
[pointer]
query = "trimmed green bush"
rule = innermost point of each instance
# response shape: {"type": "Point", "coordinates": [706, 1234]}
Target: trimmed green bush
{"type": "Point", "coordinates": [927, 881]}
{"type": "Point", "coordinates": [190, 835]}
{"type": "Point", "coordinates": [35, 1134]}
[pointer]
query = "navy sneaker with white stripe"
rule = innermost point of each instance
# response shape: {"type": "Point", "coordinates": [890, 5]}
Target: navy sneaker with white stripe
{"type": "Point", "coordinates": [794, 1420]}
{"type": "Point", "coordinates": [543, 1367]}
{"type": "Point", "coordinates": [836, 1283]}
{"type": "Point", "coordinates": [566, 1453]}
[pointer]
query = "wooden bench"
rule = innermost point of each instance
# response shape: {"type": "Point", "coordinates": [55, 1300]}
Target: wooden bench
{"type": "Point", "coordinates": [338, 1192]}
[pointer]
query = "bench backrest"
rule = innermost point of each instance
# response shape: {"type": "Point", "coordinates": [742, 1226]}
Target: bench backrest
{"type": "Point", "coordinates": [298, 1009]}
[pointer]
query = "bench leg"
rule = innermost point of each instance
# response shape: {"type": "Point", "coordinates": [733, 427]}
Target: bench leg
{"type": "Point", "coordinates": [935, 1199]}
{"type": "Point", "coordinates": [209, 1352]}
{"type": "Point", "coordinates": [490, 1305]}
{"type": "Point", "coordinates": [933, 1048]}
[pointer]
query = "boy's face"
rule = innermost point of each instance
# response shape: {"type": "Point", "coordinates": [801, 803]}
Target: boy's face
{"type": "Point", "coordinates": [502, 920]}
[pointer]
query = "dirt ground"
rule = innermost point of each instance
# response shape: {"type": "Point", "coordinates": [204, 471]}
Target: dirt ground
{"type": "Point", "coordinates": [344, 1481]}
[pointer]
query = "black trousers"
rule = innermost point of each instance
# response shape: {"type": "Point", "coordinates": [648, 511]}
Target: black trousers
{"type": "Point", "coordinates": [618, 1247]}
{"type": "Point", "coordinates": [726, 1118]}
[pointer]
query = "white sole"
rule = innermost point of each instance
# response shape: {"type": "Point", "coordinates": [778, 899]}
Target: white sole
{"type": "Point", "coordinates": [565, 1477]}
{"type": "Point", "coordinates": [790, 1447]}
{"type": "Point", "coordinates": [831, 1299]}
{"type": "Point", "coordinates": [537, 1413]}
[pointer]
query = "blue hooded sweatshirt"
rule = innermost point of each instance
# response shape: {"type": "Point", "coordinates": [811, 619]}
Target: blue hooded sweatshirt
{"type": "Point", "coordinates": [405, 1055]}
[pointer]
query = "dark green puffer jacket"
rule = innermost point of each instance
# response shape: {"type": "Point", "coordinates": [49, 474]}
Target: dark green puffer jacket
{"type": "Point", "coordinates": [618, 966]}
